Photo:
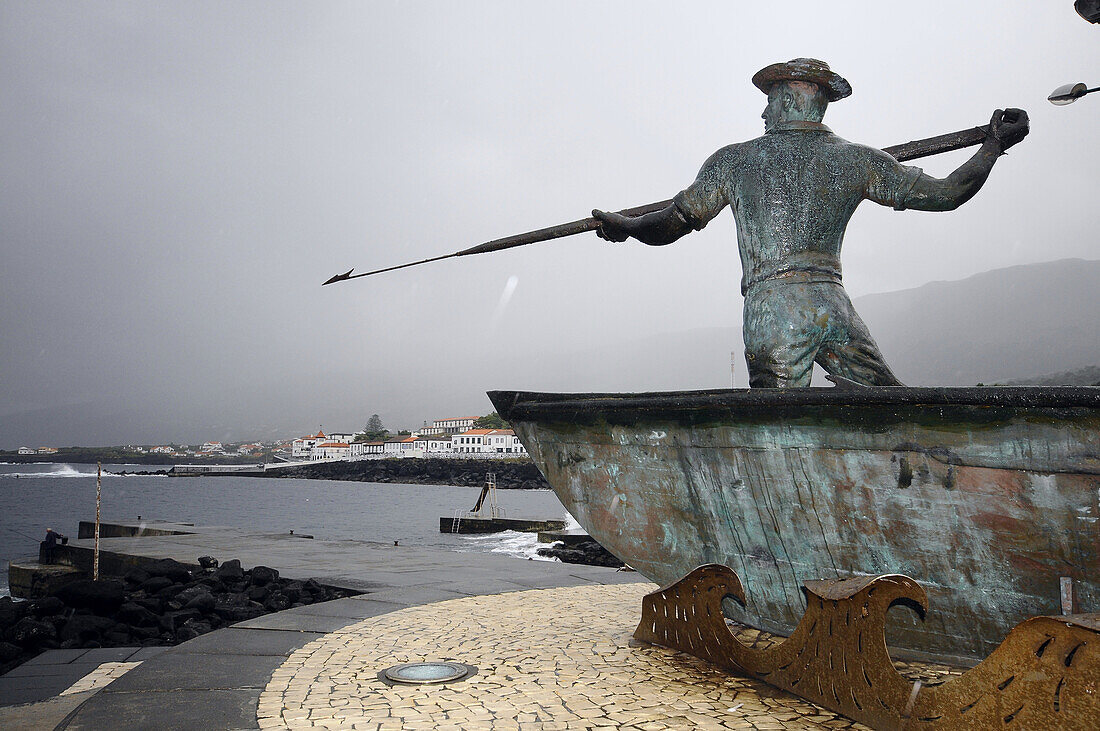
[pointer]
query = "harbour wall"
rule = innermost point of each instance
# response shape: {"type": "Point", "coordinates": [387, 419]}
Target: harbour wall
{"type": "Point", "coordinates": [519, 475]}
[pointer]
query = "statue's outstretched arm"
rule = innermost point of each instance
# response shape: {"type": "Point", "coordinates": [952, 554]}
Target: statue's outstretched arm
{"type": "Point", "coordinates": [656, 229]}
{"type": "Point", "coordinates": [689, 211]}
{"type": "Point", "coordinates": [1007, 127]}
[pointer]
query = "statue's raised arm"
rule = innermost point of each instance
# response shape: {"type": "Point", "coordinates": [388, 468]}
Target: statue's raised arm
{"type": "Point", "coordinates": [1006, 128]}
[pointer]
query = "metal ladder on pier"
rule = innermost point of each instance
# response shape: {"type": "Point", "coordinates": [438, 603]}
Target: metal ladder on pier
{"type": "Point", "coordinates": [488, 490]}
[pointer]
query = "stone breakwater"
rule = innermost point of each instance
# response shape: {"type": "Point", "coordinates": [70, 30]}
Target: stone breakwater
{"type": "Point", "coordinates": [520, 475]}
{"type": "Point", "coordinates": [164, 602]}
{"type": "Point", "coordinates": [589, 553]}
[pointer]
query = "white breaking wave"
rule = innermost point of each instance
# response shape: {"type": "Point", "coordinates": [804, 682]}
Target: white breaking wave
{"type": "Point", "coordinates": [63, 470]}
{"type": "Point", "coordinates": [510, 543]}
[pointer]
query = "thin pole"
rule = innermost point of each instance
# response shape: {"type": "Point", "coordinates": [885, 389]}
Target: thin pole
{"type": "Point", "coordinates": [908, 151]}
{"type": "Point", "coordinates": [98, 493]}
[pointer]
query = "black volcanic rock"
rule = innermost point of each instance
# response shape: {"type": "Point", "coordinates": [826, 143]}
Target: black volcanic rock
{"type": "Point", "coordinates": [262, 575]}
{"type": "Point", "coordinates": [136, 577]}
{"type": "Point", "coordinates": [203, 602]}
{"type": "Point", "coordinates": [135, 615]}
{"type": "Point", "coordinates": [9, 652]}
{"type": "Point", "coordinates": [48, 606]}
{"type": "Point", "coordinates": [102, 597]}
{"type": "Point", "coordinates": [230, 571]}
{"type": "Point", "coordinates": [277, 601]}
{"type": "Point", "coordinates": [155, 584]}
{"type": "Point", "coordinates": [154, 610]}
{"type": "Point", "coordinates": [518, 474]}
{"type": "Point", "coordinates": [30, 633]}
{"type": "Point", "coordinates": [589, 553]}
{"type": "Point", "coordinates": [170, 569]}
{"type": "Point", "coordinates": [86, 628]}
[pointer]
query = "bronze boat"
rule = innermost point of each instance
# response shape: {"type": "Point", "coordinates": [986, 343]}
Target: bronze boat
{"type": "Point", "coordinates": [987, 497]}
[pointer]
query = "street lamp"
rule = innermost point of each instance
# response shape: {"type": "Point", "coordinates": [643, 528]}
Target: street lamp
{"type": "Point", "coordinates": [1069, 93]}
{"type": "Point", "coordinates": [1088, 9]}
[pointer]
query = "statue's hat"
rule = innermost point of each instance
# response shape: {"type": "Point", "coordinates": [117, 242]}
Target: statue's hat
{"type": "Point", "coordinates": [803, 69]}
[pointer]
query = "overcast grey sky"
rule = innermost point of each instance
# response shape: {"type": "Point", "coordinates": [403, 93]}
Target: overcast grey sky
{"type": "Point", "coordinates": [179, 178]}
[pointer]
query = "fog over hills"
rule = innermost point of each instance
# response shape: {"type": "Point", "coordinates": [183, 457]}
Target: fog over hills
{"type": "Point", "coordinates": [1007, 324]}
{"type": "Point", "coordinates": [1016, 324]}
{"type": "Point", "coordinates": [1012, 324]}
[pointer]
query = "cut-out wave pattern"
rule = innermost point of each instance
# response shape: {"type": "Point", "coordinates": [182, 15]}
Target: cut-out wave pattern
{"type": "Point", "coordinates": [1045, 674]}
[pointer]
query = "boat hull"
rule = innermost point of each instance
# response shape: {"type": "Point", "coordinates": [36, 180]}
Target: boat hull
{"type": "Point", "coordinates": [987, 497]}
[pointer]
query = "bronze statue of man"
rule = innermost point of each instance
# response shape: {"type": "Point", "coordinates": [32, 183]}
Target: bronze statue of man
{"type": "Point", "coordinates": [792, 192]}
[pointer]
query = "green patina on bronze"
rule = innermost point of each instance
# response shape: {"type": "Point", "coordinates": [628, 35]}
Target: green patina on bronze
{"type": "Point", "coordinates": [986, 496]}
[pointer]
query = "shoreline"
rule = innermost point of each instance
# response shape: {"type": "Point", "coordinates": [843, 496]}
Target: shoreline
{"type": "Point", "coordinates": [511, 475]}
{"type": "Point", "coordinates": [518, 474]}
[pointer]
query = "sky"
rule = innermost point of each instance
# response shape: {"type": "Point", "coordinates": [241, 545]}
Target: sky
{"type": "Point", "coordinates": [179, 178]}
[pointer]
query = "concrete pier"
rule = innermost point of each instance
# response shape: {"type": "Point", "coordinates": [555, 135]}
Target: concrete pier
{"type": "Point", "coordinates": [476, 524]}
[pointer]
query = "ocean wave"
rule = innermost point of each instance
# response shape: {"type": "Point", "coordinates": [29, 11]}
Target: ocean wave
{"type": "Point", "coordinates": [59, 471]}
{"type": "Point", "coordinates": [509, 543]}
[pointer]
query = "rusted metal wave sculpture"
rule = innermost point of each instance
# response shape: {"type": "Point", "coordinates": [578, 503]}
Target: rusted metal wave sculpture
{"type": "Point", "coordinates": [1046, 673]}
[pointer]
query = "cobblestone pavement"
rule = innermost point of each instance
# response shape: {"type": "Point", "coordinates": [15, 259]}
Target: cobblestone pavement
{"type": "Point", "coordinates": [546, 659]}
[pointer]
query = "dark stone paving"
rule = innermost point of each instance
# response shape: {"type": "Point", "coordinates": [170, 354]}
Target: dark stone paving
{"type": "Point", "coordinates": [182, 710]}
{"type": "Point", "coordinates": [53, 671]}
{"type": "Point", "coordinates": [192, 671]}
{"type": "Point", "coordinates": [238, 641]}
{"type": "Point", "coordinates": [214, 681]}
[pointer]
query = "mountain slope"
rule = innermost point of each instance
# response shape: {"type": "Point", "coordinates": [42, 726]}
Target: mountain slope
{"type": "Point", "coordinates": [993, 327]}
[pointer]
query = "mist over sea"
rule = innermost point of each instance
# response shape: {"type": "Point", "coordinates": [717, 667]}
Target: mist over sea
{"type": "Point", "coordinates": [34, 497]}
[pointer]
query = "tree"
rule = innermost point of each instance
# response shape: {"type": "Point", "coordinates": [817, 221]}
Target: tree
{"type": "Point", "coordinates": [491, 420]}
{"type": "Point", "coordinates": [374, 431]}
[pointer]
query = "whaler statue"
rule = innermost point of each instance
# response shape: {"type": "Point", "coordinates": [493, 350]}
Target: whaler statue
{"type": "Point", "coordinates": [978, 507]}
{"type": "Point", "coordinates": [809, 512]}
{"type": "Point", "coordinates": [792, 192]}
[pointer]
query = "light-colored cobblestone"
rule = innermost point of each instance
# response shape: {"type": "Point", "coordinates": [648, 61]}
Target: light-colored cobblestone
{"type": "Point", "coordinates": [102, 676]}
{"type": "Point", "coordinates": [546, 659]}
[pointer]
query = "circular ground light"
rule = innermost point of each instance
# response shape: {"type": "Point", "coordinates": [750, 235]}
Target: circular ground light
{"type": "Point", "coordinates": [426, 673]}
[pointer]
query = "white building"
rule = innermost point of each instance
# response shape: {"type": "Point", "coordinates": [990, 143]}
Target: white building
{"type": "Point", "coordinates": [302, 447]}
{"type": "Point", "coordinates": [433, 444]}
{"type": "Point", "coordinates": [504, 441]}
{"type": "Point", "coordinates": [212, 448]}
{"type": "Point", "coordinates": [450, 426]}
{"type": "Point", "coordinates": [471, 441]}
{"type": "Point", "coordinates": [362, 449]}
{"type": "Point", "coordinates": [330, 450]}
{"type": "Point", "coordinates": [398, 446]}
{"type": "Point", "coordinates": [27, 450]}
{"type": "Point", "coordinates": [487, 441]}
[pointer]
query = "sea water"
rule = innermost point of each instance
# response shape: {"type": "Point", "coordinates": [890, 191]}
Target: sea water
{"type": "Point", "coordinates": [34, 497]}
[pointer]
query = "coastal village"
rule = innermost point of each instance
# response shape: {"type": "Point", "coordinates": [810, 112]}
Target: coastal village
{"type": "Point", "coordinates": [444, 438]}
{"type": "Point", "coordinates": [449, 437]}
